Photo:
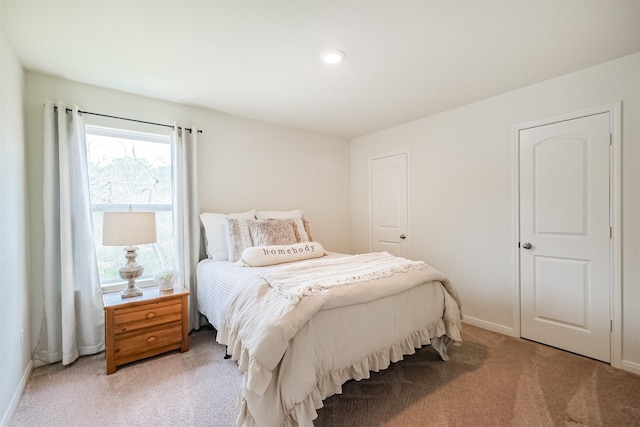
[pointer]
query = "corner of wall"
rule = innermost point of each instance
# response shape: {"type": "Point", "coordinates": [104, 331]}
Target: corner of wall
{"type": "Point", "coordinates": [15, 357]}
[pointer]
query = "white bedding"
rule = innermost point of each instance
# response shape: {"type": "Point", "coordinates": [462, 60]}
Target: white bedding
{"type": "Point", "coordinates": [290, 366]}
{"type": "Point", "coordinates": [216, 279]}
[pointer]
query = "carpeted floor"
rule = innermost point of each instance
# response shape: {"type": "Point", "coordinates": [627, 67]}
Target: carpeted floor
{"type": "Point", "coordinates": [491, 380]}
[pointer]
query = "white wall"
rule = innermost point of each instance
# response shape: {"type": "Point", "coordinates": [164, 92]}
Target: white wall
{"type": "Point", "coordinates": [462, 189]}
{"type": "Point", "coordinates": [243, 164]}
{"type": "Point", "coordinates": [15, 354]}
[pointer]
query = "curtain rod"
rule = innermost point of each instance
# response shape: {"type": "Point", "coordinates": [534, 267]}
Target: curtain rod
{"type": "Point", "coordinates": [128, 119]}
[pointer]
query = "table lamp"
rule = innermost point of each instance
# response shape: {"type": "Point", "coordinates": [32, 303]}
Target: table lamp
{"type": "Point", "coordinates": [129, 229]}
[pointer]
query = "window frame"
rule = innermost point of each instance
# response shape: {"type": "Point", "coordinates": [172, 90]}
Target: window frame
{"type": "Point", "coordinates": [113, 285]}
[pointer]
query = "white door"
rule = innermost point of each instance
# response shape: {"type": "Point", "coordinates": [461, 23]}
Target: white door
{"type": "Point", "coordinates": [388, 200]}
{"type": "Point", "coordinates": [564, 235]}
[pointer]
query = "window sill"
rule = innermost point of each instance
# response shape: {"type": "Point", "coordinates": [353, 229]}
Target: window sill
{"type": "Point", "coordinates": [119, 286]}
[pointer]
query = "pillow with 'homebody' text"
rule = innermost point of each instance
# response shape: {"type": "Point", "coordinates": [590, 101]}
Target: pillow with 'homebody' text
{"type": "Point", "coordinates": [259, 256]}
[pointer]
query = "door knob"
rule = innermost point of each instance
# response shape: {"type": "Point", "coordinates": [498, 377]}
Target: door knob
{"type": "Point", "coordinates": [402, 236]}
{"type": "Point", "coordinates": [526, 245]}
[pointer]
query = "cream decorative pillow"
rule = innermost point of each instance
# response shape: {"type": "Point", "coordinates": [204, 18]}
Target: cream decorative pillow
{"type": "Point", "coordinates": [215, 235]}
{"type": "Point", "coordinates": [238, 237]}
{"type": "Point", "coordinates": [266, 233]}
{"type": "Point", "coordinates": [259, 256]}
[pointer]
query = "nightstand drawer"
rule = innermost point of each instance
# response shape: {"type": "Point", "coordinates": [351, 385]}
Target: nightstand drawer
{"type": "Point", "coordinates": [134, 318]}
{"type": "Point", "coordinates": [148, 340]}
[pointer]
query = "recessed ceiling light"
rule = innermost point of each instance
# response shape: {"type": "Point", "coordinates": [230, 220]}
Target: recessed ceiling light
{"type": "Point", "coordinates": [333, 56]}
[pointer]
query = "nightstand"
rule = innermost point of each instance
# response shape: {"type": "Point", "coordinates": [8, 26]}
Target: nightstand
{"type": "Point", "coordinates": [144, 326]}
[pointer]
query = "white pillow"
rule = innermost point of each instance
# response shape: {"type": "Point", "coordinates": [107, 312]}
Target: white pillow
{"type": "Point", "coordinates": [296, 214]}
{"type": "Point", "coordinates": [215, 235]}
{"type": "Point", "coordinates": [258, 256]}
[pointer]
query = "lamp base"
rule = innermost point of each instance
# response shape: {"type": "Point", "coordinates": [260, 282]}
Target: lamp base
{"type": "Point", "coordinates": [131, 292]}
{"type": "Point", "coordinates": [130, 272]}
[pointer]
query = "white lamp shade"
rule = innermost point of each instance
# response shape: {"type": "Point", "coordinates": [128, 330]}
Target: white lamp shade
{"type": "Point", "coordinates": [128, 228]}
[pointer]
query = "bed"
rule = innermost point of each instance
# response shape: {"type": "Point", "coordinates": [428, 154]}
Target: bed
{"type": "Point", "coordinates": [300, 329]}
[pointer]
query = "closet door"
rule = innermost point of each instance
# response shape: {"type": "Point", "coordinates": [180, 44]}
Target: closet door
{"type": "Point", "coordinates": [389, 204]}
{"type": "Point", "coordinates": [565, 235]}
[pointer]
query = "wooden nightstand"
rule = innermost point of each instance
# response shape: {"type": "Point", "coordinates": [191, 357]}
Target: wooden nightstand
{"type": "Point", "coordinates": [146, 325]}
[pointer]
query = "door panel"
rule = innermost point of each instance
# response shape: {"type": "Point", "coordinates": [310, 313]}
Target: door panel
{"type": "Point", "coordinates": [549, 297]}
{"type": "Point", "coordinates": [559, 192]}
{"type": "Point", "coordinates": [564, 217]}
{"type": "Point", "coordinates": [388, 200]}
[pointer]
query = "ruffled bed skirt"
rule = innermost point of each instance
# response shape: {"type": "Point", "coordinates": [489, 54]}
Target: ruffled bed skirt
{"type": "Point", "coordinates": [439, 335]}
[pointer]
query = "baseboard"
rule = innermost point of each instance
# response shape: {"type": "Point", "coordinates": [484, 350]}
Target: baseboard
{"type": "Point", "coordinates": [494, 327]}
{"type": "Point", "coordinates": [632, 367]}
{"type": "Point", "coordinates": [6, 418]}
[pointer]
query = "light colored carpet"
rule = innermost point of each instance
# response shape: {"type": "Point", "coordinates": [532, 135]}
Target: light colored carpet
{"type": "Point", "coordinates": [491, 380]}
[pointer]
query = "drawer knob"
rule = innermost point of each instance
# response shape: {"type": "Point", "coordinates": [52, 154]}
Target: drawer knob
{"type": "Point", "coordinates": [151, 315]}
{"type": "Point", "coordinates": [151, 339]}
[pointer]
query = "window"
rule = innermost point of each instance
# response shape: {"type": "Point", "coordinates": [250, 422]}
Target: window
{"type": "Point", "coordinates": [130, 169]}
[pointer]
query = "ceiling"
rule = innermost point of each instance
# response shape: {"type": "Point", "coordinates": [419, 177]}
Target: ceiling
{"type": "Point", "coordinates": [261, 59]}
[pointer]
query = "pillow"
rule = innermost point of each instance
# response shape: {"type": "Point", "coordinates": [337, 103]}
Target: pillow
{"type": "Point", "coordinates": [238, 237]}
{"type": "Point", "coordinates": [302, 229]}
{"type": "Point", "coordinates": [258, 256]}
{"type": "Point", "coordinates": [270, 232]}
{"type": "Point", "coordinates": [297, 213]}
{"type": "Point", "coordinates": [307, 228]}
{"type": "Point", "coordinates": [298, 227]}
{"type": "Point", "coordinates": [214, 232]}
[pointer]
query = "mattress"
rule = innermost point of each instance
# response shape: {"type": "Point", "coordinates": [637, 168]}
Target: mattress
{"type": "Point", "coordinates": [216, 280]}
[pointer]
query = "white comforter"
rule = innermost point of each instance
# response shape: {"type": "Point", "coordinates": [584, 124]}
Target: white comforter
{"type": "Point", "coordinates": [293, 355]}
